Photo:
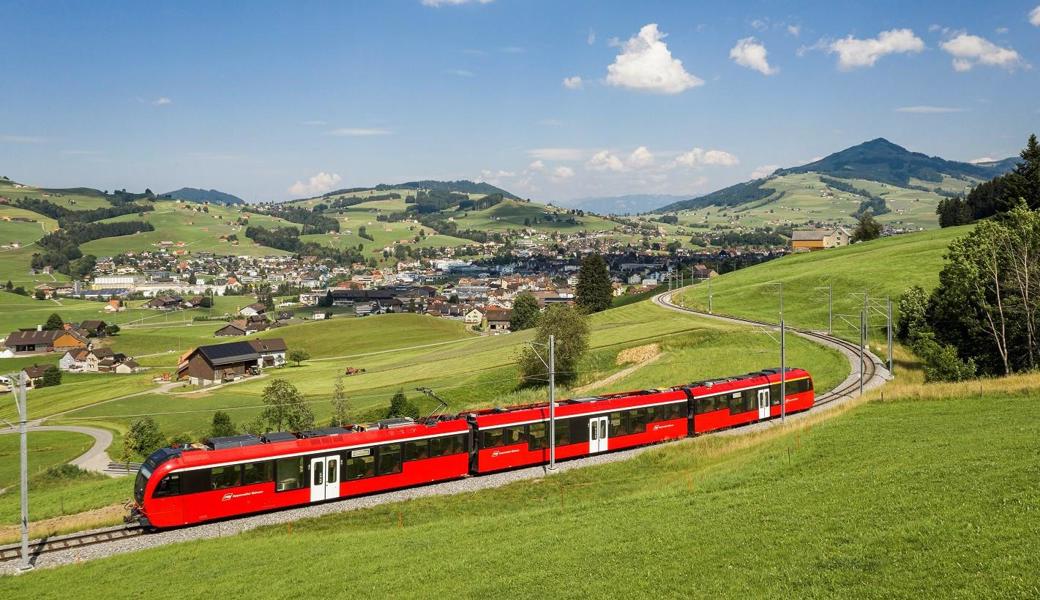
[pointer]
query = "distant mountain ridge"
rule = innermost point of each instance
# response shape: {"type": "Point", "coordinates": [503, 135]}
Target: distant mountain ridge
{"type": "Point", "coordinates": [628, 204]}
{"type": "Point", "coordinates": [201, 195]}
{"type": "Point", "coordinates": [875, 160]}
{"type": "Point", "coordinates": [462, 186]}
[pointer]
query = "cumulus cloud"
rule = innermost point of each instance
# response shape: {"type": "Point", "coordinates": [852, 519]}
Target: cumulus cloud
{"type": "Point", "coordinates": [359, 131]}
{"type": "Point", "coordinates": [645, 64]}
{"type": "Point", "coordinates": [971, 50]}
{"type": "Point", "coordinates": [929, 110]}
{"type": "Point", "coordinates": [982, 159]}
{"type": "Point", "coordinates": [563, 154]}
{"type": "Point", "coordinates": [640, 158]}
{"type": "Point", "coordinates": [853, 53]}
{"type": "Point", "coordinates": [795, 30]}
{"type": "Point", "coordinates": [1034, 16]}
{"type": "Point", "coordinates": [440, 3]}
{"type": "Point", "coordinates": [561, 173]}
{"type": "Point", "coordinates": [701, 157]}
{"type": "Point", "coordinates": [764, 171]}
{"type": "Point", "coordinates": [605, 161]}
{"type": "Point", "coordinates": [536, 166]}
{"type": "Point", "coordinates": [751, 54]}
{"type": "Point", "coordinates": [161, 101]}
{"type": "Point", "coordinates": [573, 83]}
{"type": "Point", "coordinates": [318, 184]}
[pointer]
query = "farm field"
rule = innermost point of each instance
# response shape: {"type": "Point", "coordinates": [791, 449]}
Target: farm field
{"type": "Point", "coordinates": [73, 198]}
{"type": "Point", "coordinates": [884, 267]}
{"type": "Point", "coordinates": [46, 449]}
{"type": "Point", "coordinates": [874, 501]}
{"type": "Point", "coordinates": [384, 234]}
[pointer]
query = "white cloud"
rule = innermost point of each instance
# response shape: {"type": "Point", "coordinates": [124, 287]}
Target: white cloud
{"type": "Point", "coordinates": [162, 101]}
{"type": "Point", "coordinates": [795, 30]}
{"type": "Point", "coordinates": [1003, 30]}
{"type": "Point", "coordinates": [701, 157]}
{"type": "Point", "coordinates": [982, 159]}
{"type": "Point", "coordinates": [763, 171]}
{"type": "Point", "coordinates": [563, 154]}
{"type": "Point", "coordinates": [751, 54]}
{"type": "Point", "coordinates": [929, 110]}
{"type": "Point", "coordinates": [489, 174]}
{"type": "Point", "coordinates": [971, 50]}
{"type": "Point", "coordinates": [640, 158]}
{"type": "Point", "coordinates": [760, 24]}
{"type": "Point", "coordinates": [561, 173]}
{"type": "Point", "coordinates": [536, 166]}
{"type": "Point", "coordinates": [318, 184]}
{"type": "Point", "coordinates": [460, 72]}
{"type": "Point", "coordinates": [1034, 16]}
{"type": "Point", "coordinates": [591, 39]}
{"type": "Point", "coordinates": [22, 139]}
{"type": "Point", "coordinates": [358, 131]}
{"type": "Point", "coordinates": [605, 161]}
{"type": "Point", "coordinates": [646, 64]}
{"type": "Point", "coordinates": [853, 52]}
{"type": "Point", "coordinates": [440, 3]}
{"type": "Point", "coordinates": [573, 83]}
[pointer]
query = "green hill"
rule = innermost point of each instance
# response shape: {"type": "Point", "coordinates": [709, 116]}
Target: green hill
{"type": "Point", "coordinates": [200, 195]}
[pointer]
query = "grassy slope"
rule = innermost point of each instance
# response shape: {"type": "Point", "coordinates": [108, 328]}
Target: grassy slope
{"type": "Point", "coordinates": [46, 449]}
{"type": "Point", "coordinates": [884, 267]}
{"type": "Point", "coordinates": [908, 498]}
{"type": "Point", "coordinates": [510, 214]}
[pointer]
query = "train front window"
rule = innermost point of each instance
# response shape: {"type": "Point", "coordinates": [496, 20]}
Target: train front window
{"type": "Point", "coordinates": [140, 483]}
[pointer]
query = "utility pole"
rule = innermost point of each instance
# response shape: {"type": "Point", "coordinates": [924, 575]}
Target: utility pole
{"type": "Point", "coordinates": [19, 399]}
{"type": "Point", "coordinates": [783, 360]}
{"type": "Point", "coordinates": [552, 402]}
{"type": "Point", "coordinates": [862, 343]}
{"type": "Point", "coordinates": [889, 301]}
{"type": "Point", "coordinates": [709, 293]}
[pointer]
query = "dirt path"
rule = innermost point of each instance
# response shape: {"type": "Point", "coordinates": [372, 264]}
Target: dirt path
{"type": "Point", "coordinates": [644, 356]}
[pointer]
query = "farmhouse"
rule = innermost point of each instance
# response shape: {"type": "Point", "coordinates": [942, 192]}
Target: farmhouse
{"type": "Point", "coordinates": [33, 341]}
{"type": "Point", "coordinates": [819, 239]}
{"type": "Point", "coordinates": [498, 319]}
{"type": "Point", "coordinates": [253, 310]}
{"type": "Point", "coordinates": [216, 363]}
{"type": "Point", "coordinates": [34, 375]}
{"type": "Point", "coordinates": [240, 327]}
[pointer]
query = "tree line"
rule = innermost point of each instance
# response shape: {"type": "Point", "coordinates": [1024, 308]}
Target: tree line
{"type": "Point", "coordinates": [1000, 194]}
{"type": "Point", "coordinates": [66, 216]}
{"type": "Point", "coordinates": [61, 247]}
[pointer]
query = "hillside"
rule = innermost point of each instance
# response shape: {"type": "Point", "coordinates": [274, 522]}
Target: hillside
{"type": "Point", "coordinates": [863, 504]}
{"type": "Point", "coordinates": [200, 195]}
{"type": "Point", "coordinates": [909, 185]}
{"type": "Point", "coordinates": [629, 204]}
{"type": "Point", "coordinates": [462, 186]}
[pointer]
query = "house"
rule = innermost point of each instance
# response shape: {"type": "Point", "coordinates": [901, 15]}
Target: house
{"type": "Point", "coordinates": [272, 351]}
{"type": "Point", "coordinates": [114, 306]}
{"type": "Point", "coordinates": [216, 363]}
{"type": "Point", "coordinates": [807, 240]}
{"type": "Point", "coordinates": [164, 303]}
{"type": "Point", "coordinates": [253, 310]}
{"type": "Point", "coordinates": [95, 357]}
{"type": "Point", "coordinates": [473, 317]}
{"type": "Point", "coordinates": [702, 272]}
{"type": "Point", "coordinates": [34, 375]}
{"type": "Point", "coordinates": [74, 360]}
{"type": "Point", "coordinates": [127, 366]}
{"type": "Point", "coordinates": [241, 327]}
{"type": "Point", "coordinates": [93, 327]}
{"type": "Point", "coordinates": [498, 319]}
{"type": "Point", "coordinates": [38, 340]}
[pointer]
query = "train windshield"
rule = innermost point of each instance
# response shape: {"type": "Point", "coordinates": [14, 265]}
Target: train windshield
{"type": "Point", "coordinates": [148, 466]}
{"type": "Point", "coordinates": [139, 484]}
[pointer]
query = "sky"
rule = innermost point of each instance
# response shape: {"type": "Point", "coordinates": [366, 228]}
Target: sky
{"type": "Point", "coordinates": [552, 100]}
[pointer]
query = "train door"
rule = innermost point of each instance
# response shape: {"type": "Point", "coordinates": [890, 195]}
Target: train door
{"type": "Point", "coordinates": [324, 478]}
{"type": "Point", "coordinates": [763, 403]}
{"type": "Point", "coordinates": [598, 433]}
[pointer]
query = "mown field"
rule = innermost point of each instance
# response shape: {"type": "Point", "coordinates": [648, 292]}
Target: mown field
{"type": "Point", "coordinates": [897, 498]}
{"type": "Point", "coordinates": [881, 268]}
{"type": "Point", "coordinates": [47, 449]}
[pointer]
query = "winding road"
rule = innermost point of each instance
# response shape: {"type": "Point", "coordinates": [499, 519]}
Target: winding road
{"type": "Point", "coordinates": [95, 459]}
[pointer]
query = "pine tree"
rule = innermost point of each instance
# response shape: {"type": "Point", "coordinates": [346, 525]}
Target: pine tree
{"type": "Point", "coordinates": [594, 291]}
{"type": "Point", "coordinates": [221, 425]}
{"type": "Point", "coordinates": [54, 322]}
{"type": "Point", "coordinates": [401, 406]}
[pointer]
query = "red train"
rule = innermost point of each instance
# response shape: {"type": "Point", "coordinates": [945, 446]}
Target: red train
{"type": "Point", "coordinates": [237, 475]}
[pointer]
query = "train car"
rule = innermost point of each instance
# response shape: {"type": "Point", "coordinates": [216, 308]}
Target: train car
{"type": "Point", "coordinates": [247, 474]}
{"type": "Point", "coordinates": [519, 436]}
{"type": "Point", "coordinates": [725, 403]}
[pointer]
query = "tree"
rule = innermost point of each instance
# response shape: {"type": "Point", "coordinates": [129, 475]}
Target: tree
{"type": "Point", "coordinates": [401, 406]}
{"type": "Point", "coordinates": [111, 329]}
{"type": "Point", "coordinates": [40, 295]}
{"type": "Point", "coordinates": [54, 322]}
{"type": "Point", "coordinates": [867, 228]}
{"type": "Point", "coordinates": [142, 438]}
{"type": "Point", "coordinates": [525, 312]}
{"type": "Point", "coordinates": [570, 328]}
{"type": "Point", "coordinates": [594, 292]}
{"type": "Point", "coordinates": [284, 408]}
{"type": "Point", "coordinates": [913, 305]}
{"type": "Point", "coordinates": [941, 362]}
{"type": "Point", "coordinates": [51, 377]}
{"type": "Point", "coordinates": [221, 425]}
{"type": "Point", "coordinates": [340, 405]}
{"type": "Point", "coordinates": [298, 356]}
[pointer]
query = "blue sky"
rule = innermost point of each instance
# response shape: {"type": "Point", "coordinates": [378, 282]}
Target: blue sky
{"type": "Point", "coordinates": [550, 99]}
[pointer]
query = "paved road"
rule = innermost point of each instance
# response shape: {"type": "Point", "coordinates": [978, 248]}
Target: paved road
{"type": "Point", "coordinates": [95, 459]}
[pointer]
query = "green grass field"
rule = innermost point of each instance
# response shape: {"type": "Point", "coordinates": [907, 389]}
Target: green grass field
{"type": "Point", "coordinates": [46, 449]}
{"type": "Point", "coordinates": [73, 199]}
{"type": "Point", "coordinates": [511, 214]}
{"type": "Point", "coordinates": [881, 268]}
{"type": "Point", "coordinates": [925, 498]}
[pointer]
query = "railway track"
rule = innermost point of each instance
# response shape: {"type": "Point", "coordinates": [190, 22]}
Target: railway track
{"type": "Point", "coordinates": [73, 540]}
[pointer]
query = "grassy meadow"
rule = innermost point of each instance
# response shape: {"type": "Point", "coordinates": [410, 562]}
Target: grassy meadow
{"type": "Point", "coordinates": [888, 498]}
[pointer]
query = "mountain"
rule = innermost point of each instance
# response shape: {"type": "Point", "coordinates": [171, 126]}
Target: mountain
{"type": "Point", "coordinates": [621, 205]}
{"type": "Point", "coordinates": [200, 195]}
{"type": "Point", "coordinates": [462, 186]}
{"type": "Point", "coordinates": [877, 160]}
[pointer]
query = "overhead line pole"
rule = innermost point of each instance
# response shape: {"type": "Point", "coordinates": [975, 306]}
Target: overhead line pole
{"type": "Point", "coordinates": [889, 300]}
{"type": "Point", "coordinates": [552, 402]}
{"type": "Point", "coordinates": [23, 450]}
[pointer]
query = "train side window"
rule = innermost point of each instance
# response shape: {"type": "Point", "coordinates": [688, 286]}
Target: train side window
{"type": "Point", "coordinates": [616, 428]}
{"type": "Point", "coordinates": [512, 435]}
{"type": "Point", "coordinates": [537, 435]}
{"type": "Point", "coordinates": [225, 477]}
{"type": "Point", "coordinates": [493, 438]}
{"type": "Point", "coordinates": [169, 486]}
{"type": "Point", "coordinates": [750, 400]}
{"type": "Point", "coordinates": [195, 481]}
{"type": "Point", "coordinates": [389, 459]}
{"type": "Point", "coordinates": [358, 464]}
{"type": "Point", "coordinates": [563, 432]}
{"type": "Point", "coordinates": [259, 472]}
{"type": "Point", "coordinates": [774, 393]}
{"type": "Point", "coordinates": [418, 450]}
{"type": "Point", "coordinates": [289, 474]}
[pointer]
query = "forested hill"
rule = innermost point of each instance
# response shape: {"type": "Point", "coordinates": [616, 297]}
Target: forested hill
{"type": "Point", "coordinates": [462, 186]}
{"type": "Point", "coordinates": [200, 195]}
{"type": "Point", "coordinates": [877, 160]}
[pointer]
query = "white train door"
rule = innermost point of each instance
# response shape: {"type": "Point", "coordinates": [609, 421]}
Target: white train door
{"type": "Point", "coordinates": [324, 478]}
{"type": "Point", "coordinates": [763, 403]}
{"type": "Point", "coordinates": [598, 434]}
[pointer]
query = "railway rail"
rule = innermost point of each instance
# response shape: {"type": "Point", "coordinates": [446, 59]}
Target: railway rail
{"type": "Point", "coordinates": [848, 388]}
